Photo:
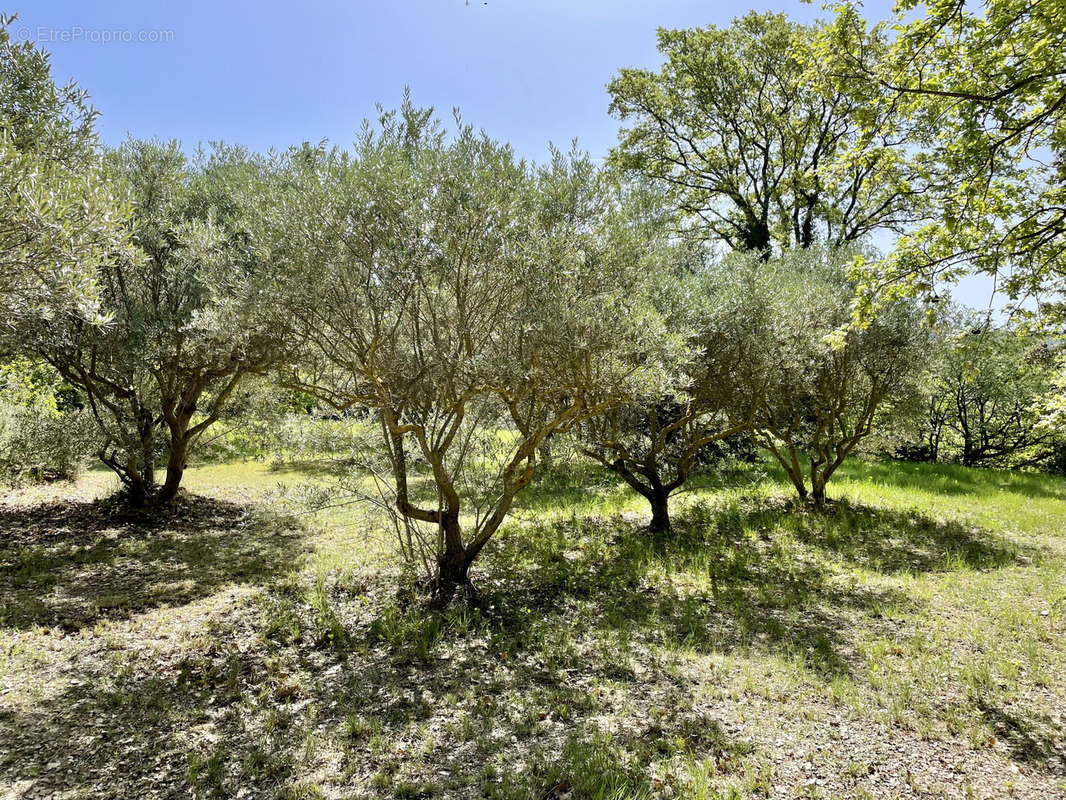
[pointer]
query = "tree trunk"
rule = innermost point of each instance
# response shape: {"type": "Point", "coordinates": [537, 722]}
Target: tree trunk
{"type": "Point", "coordinates": [175, 469]}
{"type": "Point", "coordinates": [756, 237]}
{"type": "Point", "coordinates": [818, 492]}
{"type": "Point", "coordinates": [453, 562]}
{"type": "Point", "coordinates": [137, 490]}
{"type": "Point", "coordinates": [138, 474]}
{"type": "Point", "coordinates": [797, 481]}
{"type": "Point", "coordinates": [660, 511]}
{"type": "Point", "coordinates": [545, 455]}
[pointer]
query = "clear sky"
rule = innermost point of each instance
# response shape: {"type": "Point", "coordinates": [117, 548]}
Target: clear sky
{"type": "Point", "coordinates": [270, 74]}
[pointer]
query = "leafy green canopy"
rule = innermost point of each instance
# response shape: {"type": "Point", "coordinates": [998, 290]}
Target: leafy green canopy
{"type": "Point", "coordinates": [655, 437]}
{"type": "Point", "coordinates": [757, 145]}
{"type": "Point", "coordinates": [981, 89]}
{"type": "Point", "coordinates": [985, 395]}
{"type": "Point", "coordinates": [819, 384]}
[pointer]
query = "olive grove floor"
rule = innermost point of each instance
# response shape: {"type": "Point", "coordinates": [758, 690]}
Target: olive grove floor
{"type": "Point", "coordinates": [908, 642]}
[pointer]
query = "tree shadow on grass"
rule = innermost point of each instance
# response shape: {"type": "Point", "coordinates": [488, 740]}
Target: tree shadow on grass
{"type": "Point", "coordinates": [230, 714]}
{"type": "Point", "coordinates": [119, 728]}
{"type": "Point", "coordinates": [72, 564]}
{"type": "Point", "coordinates": [1032, 736]}
{"type": "Point", "coordinates": [521, 668]}
{"type": "Point", "coordinates": [890, 541]}
{"type": "Point", "coordinates": [753, 574]}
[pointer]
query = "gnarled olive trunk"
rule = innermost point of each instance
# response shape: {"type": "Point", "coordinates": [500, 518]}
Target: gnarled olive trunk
{"type": "Point", "coordinates": [136, 467]}
{"type": "Point", "coordinates": [453, 561]}
{"type": "Point", "coordinates": [817, 496]}
{"type": "Point", "coordinates": [649, 485]}
{"type": "Point", "coordinates": [176, 463]}
{"type": "Point", "coordinates": [139, 486]}
{"type": "Point", "coordinates": [660, 510]}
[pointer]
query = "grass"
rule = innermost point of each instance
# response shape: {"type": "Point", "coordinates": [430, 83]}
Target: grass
{"type": "Point", "coordinates": [908, 642]}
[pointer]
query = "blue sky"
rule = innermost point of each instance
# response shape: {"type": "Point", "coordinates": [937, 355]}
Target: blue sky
{"type": "Point", "coordinates": [270, 74]}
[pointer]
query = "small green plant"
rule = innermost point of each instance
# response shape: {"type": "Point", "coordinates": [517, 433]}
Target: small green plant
{"type": "Point", "coordinates": [328, 627]}
{"type": "Point", "coordinates": [207, 772]}
{"type": "Point", "coordinates": [280, 616]}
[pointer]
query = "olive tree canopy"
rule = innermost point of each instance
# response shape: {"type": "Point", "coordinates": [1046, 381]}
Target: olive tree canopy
{"type": "Point", "coordinates": [58, 217]}
{"type": "Point", "coordinates": [185, 312]}
{"type": "Point", "coordinates": [467, 298]}
{"type": "Point", "coordinates": [820, 382]}
{"type": "Point", "coordinates": [654, 438]}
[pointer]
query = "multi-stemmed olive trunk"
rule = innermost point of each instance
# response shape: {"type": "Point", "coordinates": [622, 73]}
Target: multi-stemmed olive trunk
{"type": "Point", "coordinates": [835, 429]}
{"type": "Point", "coordinates": [132, 428]}
{"type": "Point", "coordinates": [136, 468]}
{"type": "Point", "coordinates": [457, 549]}
{"type": "Point", "coordinates": [455, 552]}
{"type": "Point", "coordinates": [179, 409]}
{"type": "Point", "coordinates": [138, 477]}
{"type": "Point", "coordinates": [653, 448]}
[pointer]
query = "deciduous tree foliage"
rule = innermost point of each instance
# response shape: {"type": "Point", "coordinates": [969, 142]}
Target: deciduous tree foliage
{"type": "Point", "coordinates": [756, 145]}
{"type": "Point", "coordinates": [184, 308]}
{"type": "Point", "coordinates": [986, 391]}
{"type": "Point", "coordinates": [468, 299]}
{"type": "Point", "coordinates": [982, 91]}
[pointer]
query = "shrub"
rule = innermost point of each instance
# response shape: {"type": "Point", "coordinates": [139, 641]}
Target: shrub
{"type": "Point", "coordinates": [43, 435]}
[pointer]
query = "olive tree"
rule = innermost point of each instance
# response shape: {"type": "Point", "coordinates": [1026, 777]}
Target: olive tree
{"type": "Point", "coordinates": [58, 217]}
{"type": "Point", "coordinates": [653, 443]}
{"type": "Point", "coordinates": [185, 313]}
{"type": "Point", "coordinates": [467, 299]}
{"type": "Point", "coordinates": [820, 382]}
{"type": "Point", "coordinates": [653, 439]}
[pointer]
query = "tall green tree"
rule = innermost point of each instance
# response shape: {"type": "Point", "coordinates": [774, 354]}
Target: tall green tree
{"type": "Point", "coordinates": [654, 438]}
{"type": "Point", "coordinates": [758, 148]}
{"type": "Point", "coordinates": [981, 90]}
{"type": "Point", "coordinates": [988, 385]}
